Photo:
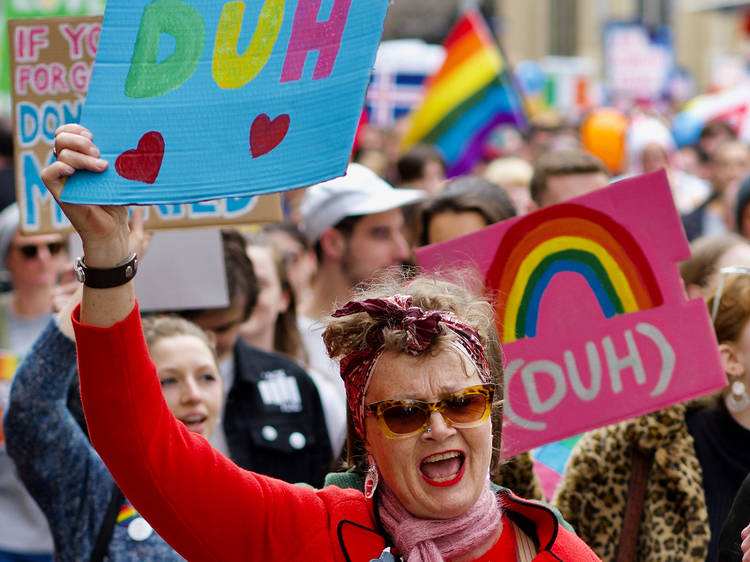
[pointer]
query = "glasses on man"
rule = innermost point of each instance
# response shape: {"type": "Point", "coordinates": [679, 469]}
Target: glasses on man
{"type": "Point", "coordinates": [30, 251]}
{"type": "Point", "coordinates": [402, 418]}
{"type": "Point", "coordinates": [723, 272]}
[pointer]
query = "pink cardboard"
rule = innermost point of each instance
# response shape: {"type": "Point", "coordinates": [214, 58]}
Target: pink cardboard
{"type": "Point", "coordinates": [595, 324]}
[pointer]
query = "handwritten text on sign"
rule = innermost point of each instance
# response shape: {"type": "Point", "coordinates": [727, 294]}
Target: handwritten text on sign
{"type": "Point", "coordinates": [203, 100]}
{"type": "Point", "coordinates": [591, 311]}
{"type": "Point", "coordinates": [52, 60]}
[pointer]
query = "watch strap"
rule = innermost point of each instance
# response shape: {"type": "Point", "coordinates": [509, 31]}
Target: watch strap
{"type": "Point", "coordinates": [109, 277]}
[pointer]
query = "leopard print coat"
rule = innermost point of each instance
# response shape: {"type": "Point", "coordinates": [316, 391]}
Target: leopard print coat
{"type": "Point", "coordinates": [594, 488]}
{"type": "Point", "coordinates": [517, 473]}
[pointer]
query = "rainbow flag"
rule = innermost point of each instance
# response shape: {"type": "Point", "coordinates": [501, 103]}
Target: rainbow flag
{"type": "Point", "coordinates": [471, 94]}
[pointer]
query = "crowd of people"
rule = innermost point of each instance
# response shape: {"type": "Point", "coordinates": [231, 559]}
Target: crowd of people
{"type": "Point", "coordinates": [337, 364]}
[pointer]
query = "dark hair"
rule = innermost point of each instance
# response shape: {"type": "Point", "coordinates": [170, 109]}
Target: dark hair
{"type": "Point", "coordinates": [743, 198]}
{"type": "Point", "coordinates": [563, 162]}
{"type": "Point", "coordinates": [463, 195]}
{"type": "Point", "coordinates": [411, 165]}
{"type": "Point", "coordinates": [241, 280]}
{"type": "Point", "coordinates": [6, 142]}
{"type": "Point", "coordinates": [716, 128]}
{"type": "Point", "coordinates": [286, 336]}
{"type": "Point", "coordinates": [345, 226]}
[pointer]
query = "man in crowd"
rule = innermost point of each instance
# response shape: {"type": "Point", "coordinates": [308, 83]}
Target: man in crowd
{"type": "Point", "coordinates": [563, 174]}
{"type": "Point", "coordinates": [355, 223]}
{"type": "Point", "coordinates": [32, 266]}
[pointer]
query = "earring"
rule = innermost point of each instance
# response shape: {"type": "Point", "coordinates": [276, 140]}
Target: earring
{"type": "Point", "coordinates": [737, 399]}
{"type": "Point", "coordinates": [371, 480]}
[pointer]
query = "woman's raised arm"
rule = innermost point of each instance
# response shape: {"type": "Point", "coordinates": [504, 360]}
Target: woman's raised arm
{"type": "Point", "coordinates": [103, 228]}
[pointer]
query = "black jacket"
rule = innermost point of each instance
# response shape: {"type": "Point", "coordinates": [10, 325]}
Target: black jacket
{"type": "Point", "coordinates": [738, 519]}
{"type": "Point", "coordinates": [273, 419]}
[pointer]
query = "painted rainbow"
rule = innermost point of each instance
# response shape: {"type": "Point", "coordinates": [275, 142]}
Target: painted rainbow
{"type": "Point", "coordinates": [568, 238]}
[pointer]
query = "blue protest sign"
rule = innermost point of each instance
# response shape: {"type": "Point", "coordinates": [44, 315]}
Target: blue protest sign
{"type": "Point", "coordinates": [202, 100]}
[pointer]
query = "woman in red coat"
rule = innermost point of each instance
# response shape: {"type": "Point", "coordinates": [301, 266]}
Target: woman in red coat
{"type": "Point", "coordinates": [421, 364]}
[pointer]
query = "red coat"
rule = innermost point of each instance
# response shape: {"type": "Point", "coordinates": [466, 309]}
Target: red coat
{"type": "Point", "coordinates": [205, 506]}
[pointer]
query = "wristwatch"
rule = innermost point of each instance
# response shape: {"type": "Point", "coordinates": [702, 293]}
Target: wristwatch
{"type": "Point", "coordinates": [107, 278]}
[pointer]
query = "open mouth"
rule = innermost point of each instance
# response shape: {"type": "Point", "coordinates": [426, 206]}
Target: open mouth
{"type": "Point", "coordinates": [443, 469]}
{"type": "Point", "coordinates": [195, 423]}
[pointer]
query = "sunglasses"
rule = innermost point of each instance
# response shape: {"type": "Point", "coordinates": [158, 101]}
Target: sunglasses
{"type": "Point", "coordinates": [30, 251]}
{"type": "Point", "coordinates": [402, 418]}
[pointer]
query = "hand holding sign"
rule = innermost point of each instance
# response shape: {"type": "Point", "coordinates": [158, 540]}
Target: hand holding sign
{"type": "Point", "coordinates": [103, 228]}
{"type": "Point", "coordinates": [269, 93]}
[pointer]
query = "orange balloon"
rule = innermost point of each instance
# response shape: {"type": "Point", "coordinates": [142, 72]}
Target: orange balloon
{"type": "Point", "coordinates": [603, 135]}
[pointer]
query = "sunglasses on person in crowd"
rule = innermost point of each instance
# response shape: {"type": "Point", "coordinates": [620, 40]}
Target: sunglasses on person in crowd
{"type": "Point", "coordinates": [30, 251]}
{"type": "Point", "coordinates": [402, 418]}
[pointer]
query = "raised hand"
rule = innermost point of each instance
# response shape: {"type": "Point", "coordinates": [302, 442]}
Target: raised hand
{"type": "Point", "coordinates": [103, 228]}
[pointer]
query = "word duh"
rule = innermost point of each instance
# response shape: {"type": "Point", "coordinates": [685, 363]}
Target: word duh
{"type": "Point", "coordinates": [148, 78]}
{"type": "Point", "coordinates": [556, 373]}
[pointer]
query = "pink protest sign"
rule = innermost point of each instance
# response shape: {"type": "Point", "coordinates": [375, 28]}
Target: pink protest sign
{"type": "Point", "coordinates": [590, 307]}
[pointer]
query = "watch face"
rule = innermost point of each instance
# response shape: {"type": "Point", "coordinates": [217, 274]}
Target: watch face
{"type": "Point", "coordinates": [80, 275]}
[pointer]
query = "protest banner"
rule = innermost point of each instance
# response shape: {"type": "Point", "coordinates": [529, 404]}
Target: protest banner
{"type": "Point", "coordinates": [51, 63]}
{"type": "Point", "coordinates": [591, 310]}
{"type": "Point", "coordinates": [638, 62]}
{"type": "Point", "coordinates": [199, 100]}
{"type": "Point", "coordinates": [24, 9]}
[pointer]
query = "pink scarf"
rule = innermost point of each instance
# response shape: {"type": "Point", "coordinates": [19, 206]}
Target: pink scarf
{"type": "Point", "coordinates": [434, 540]}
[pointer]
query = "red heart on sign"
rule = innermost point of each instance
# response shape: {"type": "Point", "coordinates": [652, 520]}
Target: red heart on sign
{"type": "Point", "coordinates": [265, 135]}
{"type": "Point", "coordinates": [143, 163]}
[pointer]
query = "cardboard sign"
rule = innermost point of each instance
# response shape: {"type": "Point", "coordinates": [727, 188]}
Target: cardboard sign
{"type": "Point", "coordinates": [196, 100]}
{"type": "Point", "coordinates": [51, 62]}
{"type": "Point", "coordinates": [638, 61]}
{"type": "Point", "coordinates": [591, 311]}
{"type": "Point", "coordinates": [182, 269]}
{"type": "Point", "coordinates": [18, 9]}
